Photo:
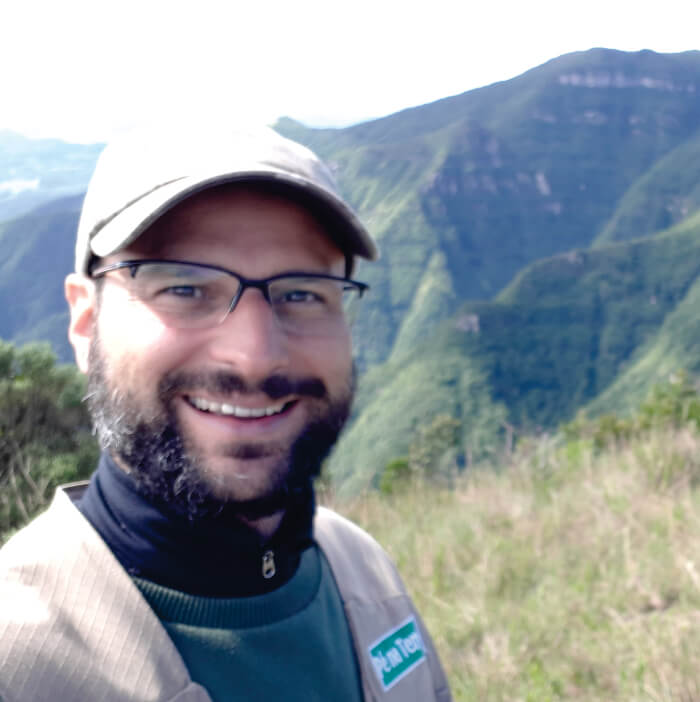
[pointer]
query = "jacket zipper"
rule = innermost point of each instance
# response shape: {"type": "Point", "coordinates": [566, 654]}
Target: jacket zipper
{"type": "Point", "coordinates": [268, 565]}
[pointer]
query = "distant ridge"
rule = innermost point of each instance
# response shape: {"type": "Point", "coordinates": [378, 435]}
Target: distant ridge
{"type": "Point", "coordinates": [35, 171]}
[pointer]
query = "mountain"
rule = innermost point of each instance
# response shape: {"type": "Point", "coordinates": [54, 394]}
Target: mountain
{"type": "Point", "coordinates": [590, 329]}
{"type": "Point", "coordinates": [663, 196]}
{"type": "Point", "coordinates": [539, 251]}
{"type": "Point", "coordinates": [37, 253]}
{"type": "Point", "coordinates": [35, 171]}
{"type": "Point", "coordinates": [501, 176]}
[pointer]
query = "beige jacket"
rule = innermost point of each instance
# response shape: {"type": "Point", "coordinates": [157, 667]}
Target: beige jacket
{"type": "Point", "coordinates": [75, 628]}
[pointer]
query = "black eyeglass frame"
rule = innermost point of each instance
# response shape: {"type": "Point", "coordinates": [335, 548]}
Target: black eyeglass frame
{"type": "Point", "coordinates": [261, 284]}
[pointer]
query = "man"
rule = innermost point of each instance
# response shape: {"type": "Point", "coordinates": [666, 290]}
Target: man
{"type": "Point", "coordinates": [209, 310]}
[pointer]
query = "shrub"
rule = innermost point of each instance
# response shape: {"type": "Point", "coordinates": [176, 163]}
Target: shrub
{"type": "Point", "coordinates": [395, 476]}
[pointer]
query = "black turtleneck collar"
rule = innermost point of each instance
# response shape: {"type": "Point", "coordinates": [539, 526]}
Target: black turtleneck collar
{"type": "Point", "coordinates": [216, 557]}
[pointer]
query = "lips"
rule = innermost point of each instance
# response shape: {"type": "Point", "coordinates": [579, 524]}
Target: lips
{"type": "Point", "coordinates": [226, 409]}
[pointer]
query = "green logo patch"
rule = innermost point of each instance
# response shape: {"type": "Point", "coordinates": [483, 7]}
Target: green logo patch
{"type": "Point", "coordinates": [397, 653]}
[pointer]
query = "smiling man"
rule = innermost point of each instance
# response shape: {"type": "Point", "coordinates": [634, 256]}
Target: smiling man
{"type": "Point", "coordinates": [210, 310]}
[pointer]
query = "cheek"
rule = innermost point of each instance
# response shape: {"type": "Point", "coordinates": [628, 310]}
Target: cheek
{"type": "Point", "coordinates": [134, 339]}
{"type": "Point", "coordinates": [331, 359]}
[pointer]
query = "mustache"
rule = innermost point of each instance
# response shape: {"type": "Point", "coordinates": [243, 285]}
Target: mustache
{"type": "Point", "coordinates": [274, 386]}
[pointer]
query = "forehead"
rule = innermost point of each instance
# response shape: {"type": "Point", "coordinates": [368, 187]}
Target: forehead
{"type": "Point", "coordinates": [234, 222]}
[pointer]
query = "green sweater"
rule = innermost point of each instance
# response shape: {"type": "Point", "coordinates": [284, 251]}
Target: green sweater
{"type": "Point", "coordinates": [292, 644]}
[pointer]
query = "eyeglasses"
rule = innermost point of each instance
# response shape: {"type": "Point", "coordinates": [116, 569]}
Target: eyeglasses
{"type": "Point", "coordinates": [197, 295]}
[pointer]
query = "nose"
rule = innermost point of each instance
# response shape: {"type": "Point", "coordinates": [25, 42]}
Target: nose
{"type": "Point", "coordinates": [250, 340]}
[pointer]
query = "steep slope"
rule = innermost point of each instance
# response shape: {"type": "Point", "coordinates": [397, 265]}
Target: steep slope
{"type": "Point", "coordinates": [492, 196]}
{"type": "Point", "coordinates": [560, 334]}
{"type": "Point", "coordinates": [396, 399]}
{"type": "Point", "coordinates": [502, 176]}
{"type": "Point", "coordinates": [673, 348]}
{"type": "Point", "coordinates": [37, 255]}
{"type": "Point", "coordinates": [568, 329]}
{"type": "Point", "coordinates": [666, 194]}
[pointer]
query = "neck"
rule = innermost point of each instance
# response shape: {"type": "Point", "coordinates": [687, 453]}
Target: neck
{"type": "Point", "coordinates": [217, 556]}
{"type": "Point", "coordinates": [265, 526]}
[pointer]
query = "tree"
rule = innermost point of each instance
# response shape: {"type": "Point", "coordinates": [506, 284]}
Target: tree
{"type": "Point", "coordinates": [433, 453]}
{"type": "Point", "coordinates": [45, 434]}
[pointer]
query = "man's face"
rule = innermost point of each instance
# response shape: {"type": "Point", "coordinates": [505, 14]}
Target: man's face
{"type": "Point", "coordinates": [170, 403]}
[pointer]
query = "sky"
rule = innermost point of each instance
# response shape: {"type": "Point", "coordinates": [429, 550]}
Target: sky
{"type": "Point", "coordinates": [84, 70]}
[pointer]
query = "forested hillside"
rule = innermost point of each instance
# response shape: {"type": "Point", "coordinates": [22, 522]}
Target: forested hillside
{"type": "Point", "coordinates": [473, 188]}
{"type": "Point", "coordinates": [586, 329]}
{"type": "Point", "coordinates": [539, 253]}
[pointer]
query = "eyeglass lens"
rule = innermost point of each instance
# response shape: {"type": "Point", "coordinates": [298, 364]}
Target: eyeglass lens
{"type": "Point", "coordinates": [194, 296]}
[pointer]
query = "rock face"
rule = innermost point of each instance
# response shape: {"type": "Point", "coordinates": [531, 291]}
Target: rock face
{"type": "Point", "coordinates": [604, 79]}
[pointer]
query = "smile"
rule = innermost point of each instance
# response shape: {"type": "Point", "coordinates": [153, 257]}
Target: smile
{"type": "Point", "coordinates": [229, 410]}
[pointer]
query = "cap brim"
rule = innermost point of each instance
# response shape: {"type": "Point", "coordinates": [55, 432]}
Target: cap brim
{"type": "Point", "coordinates": [128, 224]}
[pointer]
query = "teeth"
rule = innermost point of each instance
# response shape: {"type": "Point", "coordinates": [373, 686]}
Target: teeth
{"type": "Point", "coordinates": [234, 410]}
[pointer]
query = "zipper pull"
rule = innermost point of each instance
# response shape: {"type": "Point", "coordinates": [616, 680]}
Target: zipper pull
{"type": "Point", "coordinates": [268, 565]}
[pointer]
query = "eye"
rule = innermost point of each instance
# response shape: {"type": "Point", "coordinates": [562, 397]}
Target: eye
{"type": "Point", "coordinates": [299, 295]}
{"type": "Point", "coordinates": [184, 291]}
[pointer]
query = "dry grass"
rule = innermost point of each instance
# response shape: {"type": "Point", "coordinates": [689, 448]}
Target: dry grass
{"type": "Point", "coordinates": [564, 575]}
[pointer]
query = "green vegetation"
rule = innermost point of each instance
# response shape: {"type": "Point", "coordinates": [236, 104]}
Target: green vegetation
{"type": "Point", "coordinates": [486, 205]}
{"type": "Point", "coordinates": [674, 346]}
{"type": "Point", "coordinates": [45, 435]}
{"type": "Point", "coordinates": [568, 570]}
{"type": "Point", "coordinates": [37, 255]}
{"type": "Point", "coordinates": [528, 270]}
{"type": "Point", "coordinates": [663, 196]}
{"type": "Point", "coordinates": [675, 403]}
{"type": "Point", "coordinates": [561, 567]}
{"type": "Point", "coordinates": [565, 329]}
{"type": "Point", "coordinates": [593, 329]}
{"type": "Point", "coordinates": [432, 456]}
{"type": "Point", "coordinates": [399, 399]}
{"type": "Point", "coordinates": [500, 177]}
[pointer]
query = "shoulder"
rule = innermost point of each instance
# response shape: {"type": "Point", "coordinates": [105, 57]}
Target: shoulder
{"type": "Point", "coordinates": [39, 551]}
{"type": "Point", "coordinates": [329, 522]}
{"type": "Point", "coordinates": [379, 610]}
{"type": "Point", "coordinates": [333, 530]}
{"type": "Point", "coordinates": [31, 563]}
{"type": "Point", "coordinates": [361, 566]}
{"type": "Point", "coordinates": [77, 627]}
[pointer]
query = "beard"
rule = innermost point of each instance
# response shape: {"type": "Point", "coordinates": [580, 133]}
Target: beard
{"type": "Point", "coordinates": [169, 470]}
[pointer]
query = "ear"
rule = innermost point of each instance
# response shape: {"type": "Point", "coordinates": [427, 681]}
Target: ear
{"type": "Point", "coordinates": [82, 301]}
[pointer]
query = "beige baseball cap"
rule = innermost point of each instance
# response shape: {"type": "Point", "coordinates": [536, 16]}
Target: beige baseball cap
{"type": "Point", "coordinates": [142, 174]}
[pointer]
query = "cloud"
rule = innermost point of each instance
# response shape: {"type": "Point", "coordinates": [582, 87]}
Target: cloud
{"type": "Point", "coordinates": [16, 186]}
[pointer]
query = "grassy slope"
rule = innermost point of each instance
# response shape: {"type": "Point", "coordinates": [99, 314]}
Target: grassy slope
{"type": "Point", "coordinates": [553, 341]}
{"type": "Point", "coordinates": [569, 576]}
{"type": "Point", "coordinates": [663, 196]}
